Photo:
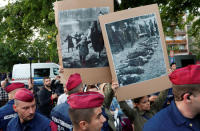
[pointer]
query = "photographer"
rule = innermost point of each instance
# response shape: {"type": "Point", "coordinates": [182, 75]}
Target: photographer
{"type": "Point", "coordinates": [57, 86]}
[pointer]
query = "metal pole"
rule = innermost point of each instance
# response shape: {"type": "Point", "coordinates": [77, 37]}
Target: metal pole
{"type": "Point", "coordinates": [31, 69]}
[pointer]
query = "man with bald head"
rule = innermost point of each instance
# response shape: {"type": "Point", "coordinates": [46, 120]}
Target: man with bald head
{"type": "Point", "coordinates": [27, 119]}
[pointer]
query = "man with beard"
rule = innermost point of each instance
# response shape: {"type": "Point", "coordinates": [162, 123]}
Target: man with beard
{"type": "Point", "coordinates": [46, 98]}
{"type": "Point", "coordinates": [27, 119]}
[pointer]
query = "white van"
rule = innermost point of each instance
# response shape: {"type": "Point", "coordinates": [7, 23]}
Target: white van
{"type": "Point", "coordinates": [21, 72]}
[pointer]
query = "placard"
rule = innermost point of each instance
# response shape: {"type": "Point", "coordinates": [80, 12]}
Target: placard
{"type": "Point", "coordinates": [80, 42]}
{"type": "Point", "coordinates": [136, 51]}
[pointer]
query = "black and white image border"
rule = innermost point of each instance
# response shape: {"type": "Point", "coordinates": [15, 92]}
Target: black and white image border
{"type": "Point", "coordinates": [136, 49]}
{"type": "Point", "coordinates": [81, 39]}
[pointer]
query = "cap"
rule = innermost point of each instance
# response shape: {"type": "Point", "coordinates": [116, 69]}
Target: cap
{"type": "Point", "coordinates": [14, 86]}
{"type": "Point", "coordinates": [73, 81]}
{"type": "Point", "coordinates": [186, 75]}
{"type": "Point", "coordinates": [85, 100]}
{"type": "Point", "coordinates": [24, 95]}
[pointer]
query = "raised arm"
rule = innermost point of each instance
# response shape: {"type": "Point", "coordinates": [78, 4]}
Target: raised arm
{"type": "Point", "coordinates": [159, 102]}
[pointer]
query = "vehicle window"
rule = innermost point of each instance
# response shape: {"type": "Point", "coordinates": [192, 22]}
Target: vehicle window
{"type": "Point", "coordinates": [44, 72]}
{"type": "Point", "coordinates": [55, 71]}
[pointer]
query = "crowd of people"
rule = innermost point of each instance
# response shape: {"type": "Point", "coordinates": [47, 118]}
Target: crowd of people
{"type": "Point", "coordinates": [79, 107]}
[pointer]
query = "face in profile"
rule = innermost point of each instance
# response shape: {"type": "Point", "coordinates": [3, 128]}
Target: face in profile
{"type": "Point", "coordinates": [195, 103]}
{"type": "Point", "coordinates": [144, 104]}
{"type": "Point", "coordinates": [25, 110]}
{"type": "Point", "coordinates": [173, 67]}
{"type": "Point", "coordinates": [97, 120]}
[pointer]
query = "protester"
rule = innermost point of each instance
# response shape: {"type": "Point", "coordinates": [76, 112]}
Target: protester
{"type": "Point", "coordinates": [7, 112]}
{"type": "Point", "coordinates": [46, 98]}
{"type": "Point", "coordinates": [183, 113]}
{"type": "Point", "coordinates": [143, 111]}
{"type": "Point", "coordinates": [27, 119]}
{"type": "Point", "coordinates": [85, 111]}
{"type": "Point", "coordinates": [63, 97]}
{"type": "Point", "coordinates": [59, 113]}
{"type": "Point", "coordinates": [3, 94]}
{"type": "Point", "coordinates": [172, 67]}
{"type": "Point", "coordinates": [153, 97]}
{"type": "Point", "coordinates": [57, 86]}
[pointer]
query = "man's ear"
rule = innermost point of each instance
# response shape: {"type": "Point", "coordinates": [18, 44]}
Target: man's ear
{"type": "Point", "coordinates": [186, 97]}
{"type": "Point", "coordinates": [83, 125]}
{"type": "Point", "coordinates": [14, 108]}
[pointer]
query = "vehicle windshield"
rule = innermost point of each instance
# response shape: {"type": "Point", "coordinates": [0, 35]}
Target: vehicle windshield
{"type": "Point", "coordinates": [44, 72]}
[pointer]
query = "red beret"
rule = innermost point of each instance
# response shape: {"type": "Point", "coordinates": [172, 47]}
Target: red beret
{"type": "Point", "coordinates": [14, 86]}
{"type": "Point", "coordinates": [84, 100]}
{"type": "Point", "coordinates": [73, 81]}
{"type": "Point", "coordinates": [24, 95]}
{"type": "Point", "coordinates": [187, 75]}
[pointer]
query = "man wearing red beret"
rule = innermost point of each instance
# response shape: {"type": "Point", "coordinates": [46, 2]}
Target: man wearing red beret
{"type": "Point", "coordinates": [27, 119]}
{"type": "Point", "coordinates": [6, 111]}
{"type": "Point", "coordinates": [183, 114]}
{"type": "Point", "coordinates": [59, 113]}
{"type": "Point", "coordinates": [85, 111]}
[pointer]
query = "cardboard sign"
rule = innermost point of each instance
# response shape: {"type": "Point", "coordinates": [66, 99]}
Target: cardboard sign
{"type": "Point", "coordinates": [136, 51]}
{"type": "Point", "coordinates": [80, 41]}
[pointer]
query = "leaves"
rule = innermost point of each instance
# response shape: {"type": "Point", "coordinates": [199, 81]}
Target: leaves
{"type": "Point", "coordinates": [27, 29]}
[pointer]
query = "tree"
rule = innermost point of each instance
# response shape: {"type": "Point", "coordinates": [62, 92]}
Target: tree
{"type": "Point", "coordinates": [27, 29]}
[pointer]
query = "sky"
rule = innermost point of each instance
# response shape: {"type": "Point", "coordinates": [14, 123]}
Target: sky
{"type": "Point", "coordinates": [3, 2]}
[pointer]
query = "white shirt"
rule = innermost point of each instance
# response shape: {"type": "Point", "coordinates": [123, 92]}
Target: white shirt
{"type": "Point", "coordinates": [62, 98]}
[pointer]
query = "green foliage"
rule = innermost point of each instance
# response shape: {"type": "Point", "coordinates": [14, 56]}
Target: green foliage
{"type": "Point", "coordinates": [27, 29]}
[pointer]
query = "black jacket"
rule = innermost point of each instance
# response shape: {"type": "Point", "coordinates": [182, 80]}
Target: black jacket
{"type": "Point", "coordinates": [45, 104]}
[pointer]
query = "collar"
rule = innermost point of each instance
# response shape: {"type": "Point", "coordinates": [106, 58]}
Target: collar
{"type": "Point", "coordinates": [178, 118]}
{"type": "Point", "coordinates": [141, 113]}
{"type": "Point", "coordinates": [28, 124]}
{"type": "Point", "coordinates": [11, 102]}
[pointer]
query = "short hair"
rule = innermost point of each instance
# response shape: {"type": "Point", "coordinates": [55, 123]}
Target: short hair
{"type": "Point", "coordinates": [88, 87]}
{"type": "Point", "coordinates": [16, 102]}
{"type": "Point", "coordinates": [180, 90]}
{"type": "Point", "coordinates": [45, 78]}
{"type": "Point", "coordinates": [76, 89]}
{"type": "Point", "coordinates": [77, 115]}
{"type": "Point", "coordinates": [173, 63]}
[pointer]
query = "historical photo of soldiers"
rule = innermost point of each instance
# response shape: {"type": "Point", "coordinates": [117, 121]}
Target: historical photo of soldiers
{"type": "Point", "coordinates": [136, 49]}
{"type": "Point", "coordinates": [81, 39]}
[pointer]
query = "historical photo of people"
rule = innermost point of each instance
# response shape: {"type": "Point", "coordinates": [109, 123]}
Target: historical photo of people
{"type": "Point", "coordinates": [136, 49]}
{"type": "Point", "coordinates": [81, 39]}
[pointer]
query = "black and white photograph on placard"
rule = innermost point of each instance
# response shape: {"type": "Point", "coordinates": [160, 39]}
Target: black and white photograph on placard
{"type": "Point", "coordinates": [136, 49]}
{"type": "Point", "coordinates": [81, 39]}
